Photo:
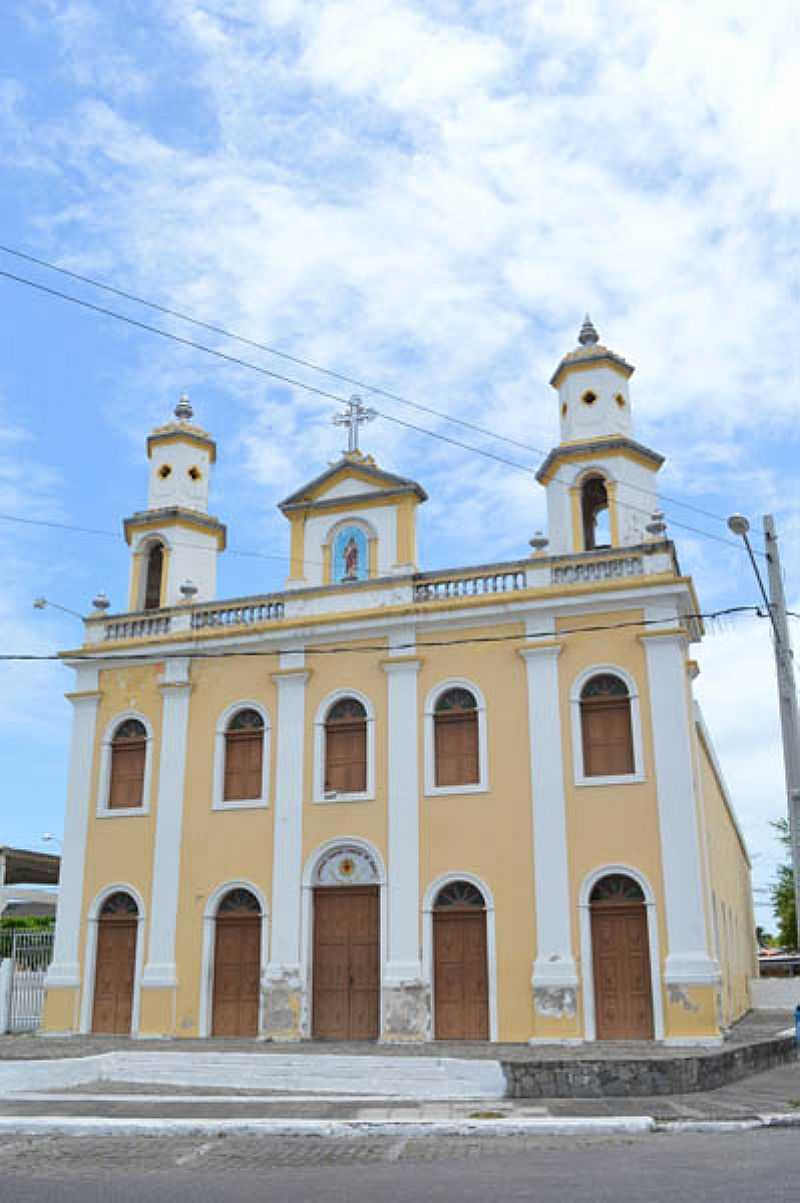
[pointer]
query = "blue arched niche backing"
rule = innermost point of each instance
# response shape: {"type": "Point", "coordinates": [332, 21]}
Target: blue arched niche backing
{"type": "Point", "coordinates": [350, 555]}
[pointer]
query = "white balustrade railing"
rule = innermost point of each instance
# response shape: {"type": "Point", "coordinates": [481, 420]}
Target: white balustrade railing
{"type": "Point", "coordinates": [238, 614]}
{"type": "Point", "coordinates": [137, 628]}
{"type": "Point", "coordinates": [446, 588]}
{"type": "Point", "coordinates": [610, 568]}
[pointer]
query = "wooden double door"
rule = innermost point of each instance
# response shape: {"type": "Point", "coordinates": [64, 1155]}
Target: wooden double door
{"type": "Point", "coordinates": [621, 955]}
{"type": "Point", "coordinates": [346, 971]}
{"type": "Point", "coordinates": [460, 984]}
{"type": "Point", "coordinates": [237, 974]}
{"type": "Point", "coordinates": [115, 970]}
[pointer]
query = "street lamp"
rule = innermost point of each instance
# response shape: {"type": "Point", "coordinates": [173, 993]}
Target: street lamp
{"type": "Point", "coordinates": [787, 693]}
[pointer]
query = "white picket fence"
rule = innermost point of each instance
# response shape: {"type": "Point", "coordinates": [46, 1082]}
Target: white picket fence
{"type": "Point", "coordinates": [22, 975]}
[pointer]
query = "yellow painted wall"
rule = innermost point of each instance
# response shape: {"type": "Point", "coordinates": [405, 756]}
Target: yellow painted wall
{"type": "Point", "coordinates": [218, 845]}
{"type": "Point", "coordinates": [733, 939]}
{"type": "Point", "coordinates": [120, 848]}
{"type": "Point", "coordinates": [324, 821]}
{"type": "Point", "coordinates": [489, 834]}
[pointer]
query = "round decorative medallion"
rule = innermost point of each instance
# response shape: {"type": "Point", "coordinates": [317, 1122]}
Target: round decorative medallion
{"type": "Point", "coordinates": [346, 867]}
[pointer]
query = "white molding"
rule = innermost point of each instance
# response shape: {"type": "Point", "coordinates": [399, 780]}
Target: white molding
{"type": "Point", "coordinates": [318, 794]}
{"type": "Point", "coordinates": [364, 525]}
{"type": "Point", "coordinates": [284, 963]}
{"type": "Point", "coordinates": [175, 686]}
{"type": "Point", "coordinates": [689, 961]}
{"type": "Point", "coordinates": [90, 956]}
{"type": "Point", "coordinates": [638, 774]}
{"type": "Point", "coordinates": [403, 959]}
{"type": "Point", "coordinates": [480, 786]}
{"type": "Point", "coordinates": [64, 971]}
{"type": "Point", "coordinates": [554, 965]}
{"type": "Point", "coordinates": [307, 919]}
{"type": "Point", "coordinates": [206, 1010]}
{"type": "Point", "coordinates": [102, 809]}
{"type": "Point", "coordinates": [218, 787]}
{"type": "Point", "coordinates": [428, 905]}
{"type": "Point", "coordinates": [587, 956]}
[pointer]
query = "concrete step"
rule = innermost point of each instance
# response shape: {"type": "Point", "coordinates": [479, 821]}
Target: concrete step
{"type": "Point", "coordinates": [385, 1077]}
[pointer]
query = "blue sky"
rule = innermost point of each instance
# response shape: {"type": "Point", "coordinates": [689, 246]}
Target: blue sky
{"type": "Point", "coordinates": [424, 195]}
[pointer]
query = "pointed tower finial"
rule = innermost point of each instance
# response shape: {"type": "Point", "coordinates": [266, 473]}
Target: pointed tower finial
{"type": "Point", "coordinates": [183, 410]}
{"type": "Point", "coordinates": [588, 335]}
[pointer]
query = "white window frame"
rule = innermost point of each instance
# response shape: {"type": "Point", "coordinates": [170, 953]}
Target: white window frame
{"type": "Point", "coordinates": [218, 796]}
{"type": "Point", "coordinates": [367, 795]}
{"type": "Point", "coordinates": [638, 773]}
{"type": "Point", "coordinates": [480, 786]}
{"type": "Point", "coordinates": [103, 810]}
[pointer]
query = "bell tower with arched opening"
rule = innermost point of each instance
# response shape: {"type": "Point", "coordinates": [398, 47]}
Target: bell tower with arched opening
{"type": "Point", "coordinates": [601, 489]}
{"type": "Point", "coordinates": [175, 541]}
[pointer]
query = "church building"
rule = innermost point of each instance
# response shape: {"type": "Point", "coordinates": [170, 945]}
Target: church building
{"type": "Point", "coordinates": [476, 803]}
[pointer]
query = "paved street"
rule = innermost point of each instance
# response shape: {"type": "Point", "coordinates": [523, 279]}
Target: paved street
{"type": "Point", "coordinates": [731, 1168]}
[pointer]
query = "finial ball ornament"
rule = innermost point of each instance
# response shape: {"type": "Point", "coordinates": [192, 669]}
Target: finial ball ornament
{"type": "Point", "coordinates": [100, 602]}
{"type": "Point", "coordinates": [588, 335]}
{"type": "Point", "coordinates": [183, 410]}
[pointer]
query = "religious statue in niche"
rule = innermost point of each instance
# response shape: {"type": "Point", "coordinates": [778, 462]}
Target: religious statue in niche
{"type": "Point", "coordinates": [350, 558]}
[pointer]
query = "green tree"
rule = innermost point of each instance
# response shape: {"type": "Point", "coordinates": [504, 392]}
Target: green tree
{"type": "Point", "coordinates": [782, 888]}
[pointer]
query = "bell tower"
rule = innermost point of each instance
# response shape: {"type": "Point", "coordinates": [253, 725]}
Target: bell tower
{"type": "Point", "coordinates": [600, 482]}
{"type": "Point", "coordinates": [175, 541]}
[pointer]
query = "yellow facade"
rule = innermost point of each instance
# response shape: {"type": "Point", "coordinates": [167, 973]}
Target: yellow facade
{"type": "Point", "coordinates": [534, 832]}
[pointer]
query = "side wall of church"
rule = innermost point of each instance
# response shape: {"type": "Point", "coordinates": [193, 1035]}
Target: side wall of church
{"type": "Point", "coordinates": [731, 906]}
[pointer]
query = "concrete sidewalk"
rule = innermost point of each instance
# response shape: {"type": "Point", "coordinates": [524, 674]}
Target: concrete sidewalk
{"type": "Point", "coordinates": [774, 1092]}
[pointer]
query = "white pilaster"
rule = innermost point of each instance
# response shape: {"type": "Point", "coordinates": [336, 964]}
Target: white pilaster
{"type": "Point", "coordinates": [688, 961]}
{"type": "Point", "coordinates": [64, 969]}
{"type": "Point", "coordinates": [554, 978]}
{"type": "Point", "coordinates": [403, 959]}
{"type": "Point", "coordinates": [284, 1004]}
{"type": "Point", "coordinates": [175, 688]}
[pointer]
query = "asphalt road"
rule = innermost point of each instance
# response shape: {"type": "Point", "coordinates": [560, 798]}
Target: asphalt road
{"type": "Point", "coordinates": [762, 1166]}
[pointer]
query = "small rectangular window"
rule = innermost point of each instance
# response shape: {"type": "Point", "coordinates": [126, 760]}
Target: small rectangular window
{"type": "Point", "coordinates": [456, 740]}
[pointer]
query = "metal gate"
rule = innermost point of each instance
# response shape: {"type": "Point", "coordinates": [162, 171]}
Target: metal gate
{"type": "Point", "coordinates": [31, 953]}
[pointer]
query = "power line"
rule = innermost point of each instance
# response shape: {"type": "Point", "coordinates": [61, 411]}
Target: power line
{"type": "Point", "coordinates": [158, 652]}
{"type": "Point", "coordinates": [316, 367]}
{"type": "Point", "coordinates": [187, 342]}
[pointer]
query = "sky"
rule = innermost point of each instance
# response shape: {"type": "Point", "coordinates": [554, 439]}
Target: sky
{"type": "Point", "coordinates": [427, 196]}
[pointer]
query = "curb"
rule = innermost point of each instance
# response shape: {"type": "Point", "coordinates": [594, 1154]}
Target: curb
{"type": "Point", "coordinates": [336, 1128]}
{"type": "Point", "coordinates": [341, 1128]}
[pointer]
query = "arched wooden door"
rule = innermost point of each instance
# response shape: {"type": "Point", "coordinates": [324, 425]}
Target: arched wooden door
{"type": "Point", "coordinates": [460, 973]}
{"type": "Point", "coordinates": [621, 960]}
{"type": "Point", "coordinates": [346, 974]}
{"type": "Point", "coordinates": [115, 967]}
{"type": "Point", "coordinates": [237, 965]}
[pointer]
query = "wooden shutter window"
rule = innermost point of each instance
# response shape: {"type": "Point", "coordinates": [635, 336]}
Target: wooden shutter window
{"type": "Point", "coordinates": [606, 728]}
{"type": "Point", "coordinates": [244, 757]}
{"type": "Point", "coordinates": [455, 726]}
{"type": "Point", "coordinates": [128, 755]}
{"type": "Point", "coordinates": [346, 748]}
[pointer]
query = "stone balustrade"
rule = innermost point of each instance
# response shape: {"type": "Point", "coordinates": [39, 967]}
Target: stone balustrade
{"type": "Point", "coordinates": [445, 588]}
{"type": "Point", "coordinates": [237, 614]}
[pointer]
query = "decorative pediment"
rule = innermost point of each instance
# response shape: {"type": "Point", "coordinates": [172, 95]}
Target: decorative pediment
{"type": "Point", "coordinates": [352, 478]}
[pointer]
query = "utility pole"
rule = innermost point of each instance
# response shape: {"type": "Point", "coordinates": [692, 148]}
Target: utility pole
{"type": "Point", "coordinates": [787, 700]}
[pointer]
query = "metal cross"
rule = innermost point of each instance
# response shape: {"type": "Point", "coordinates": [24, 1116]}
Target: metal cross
{"type": "Point", "coordinates": [357, 412]}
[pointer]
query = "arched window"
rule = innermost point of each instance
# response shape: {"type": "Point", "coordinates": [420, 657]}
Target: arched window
{"type": "Point", "coordinates": [458, 895]}
{"type": "Point", "coordinates": [128, 756]}
{"type": "Point", "coordinates": [606, 730]}
{"type": "Point", "coordinates": [153, 577]}
{"type": "Point", "coordinates": [594, 513]}
{"type": "Point", "coordinates": [455, 725]}
{"type": "Point", "coordinates": [346, 748]}
{"type": "Point", "coordinates": [244, 757]}
{"type": "Point", "coordinates": [119, 906]}
{"type": "Point", "coordinates": [616, 889]}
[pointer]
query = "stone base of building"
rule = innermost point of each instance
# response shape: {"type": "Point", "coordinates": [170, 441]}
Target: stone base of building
{"type": "Point", "coordinates": [406, 1012]}
{"type": "Point", "coordinates": [284, 1008]}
